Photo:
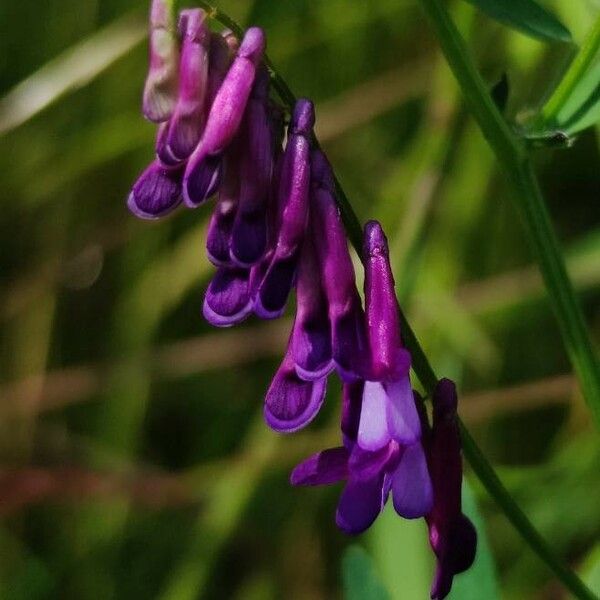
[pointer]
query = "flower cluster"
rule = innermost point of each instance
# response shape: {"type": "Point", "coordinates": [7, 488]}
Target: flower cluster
{"type": "Point", "coordinates": [276, 227]}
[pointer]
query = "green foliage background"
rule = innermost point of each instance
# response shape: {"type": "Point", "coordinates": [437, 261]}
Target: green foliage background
{"type": "Point", "coordinates": [135, 463]}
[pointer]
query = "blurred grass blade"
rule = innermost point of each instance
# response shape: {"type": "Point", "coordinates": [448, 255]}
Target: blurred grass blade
{"type": "Point", "coordinates": [360, 580]}
{"type": "Point", "coordinates": [582, 109]}
{"type": "Point", "coordinates": [73, 69]}
{"type": "Point", "coordinates": [526, 16]}
{"type": "Point", "coordinates": [480, 580]}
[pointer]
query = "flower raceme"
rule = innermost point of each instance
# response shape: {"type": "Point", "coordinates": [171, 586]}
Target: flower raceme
{"type": "Point", "coordinates": [275, 228]}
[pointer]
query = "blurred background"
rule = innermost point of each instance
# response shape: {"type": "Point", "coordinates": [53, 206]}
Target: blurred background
{"type": "Point", "coordinates": [134, 459]}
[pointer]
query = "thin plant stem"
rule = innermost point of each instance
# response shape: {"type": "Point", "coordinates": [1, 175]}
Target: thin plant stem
{"type": "Point", "coordinates": [484, 471]}
{"type": "Point", "coordinates": [513, 156]}
{"type": "Point", "coordinates": [588, 52]}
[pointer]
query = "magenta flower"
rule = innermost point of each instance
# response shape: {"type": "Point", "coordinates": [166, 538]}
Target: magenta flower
{"type": "Point", "coordinates": [203, 173]}
{"type": "Point", "coordinates": [160, 90]}
{"type": "Point", "coordinates": [349, 342]}
{"type": "Point", "coordinates": [249, 234]}
{"type": "Point", "coordinates": [294, 184]}
{"type": "Point", "coordinates": [156, 193]}
{"type": "Point", "coordinates": [185, 126]}
{"type": "Point", "coordinates": [451, 534]}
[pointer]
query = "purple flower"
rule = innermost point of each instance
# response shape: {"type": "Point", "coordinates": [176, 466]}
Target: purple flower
{"type": "Point", "coordinates": [349, 342]}
{"type": "Point", "coordinates": [310, 342]}
{"type": "Point", "coordinates": [185, 126]}
{"type": "Point", "coordinates": [370, 476]}
{"type": "Point", "coordinates": [292, 403]}
{"type": "Point", "coordinates": [388, 409]}
{"type": "Point", "coordinates": [160, 91]}
{"type": "Point", "coordinates": [249, 235]}
{"type": "Point", "coordinates": [203, 172]}
{"type": "Point", "coordinates": [228, 299]}
{"type": "Point", "coordinates": [156, 192]}
{"type": "Point", "coordinates": [452, 536]}
{"type": "Point", "coordinates": [294, 183]}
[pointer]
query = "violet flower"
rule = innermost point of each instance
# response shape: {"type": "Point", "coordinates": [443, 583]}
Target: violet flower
{"type": "Point", "coordinates": [294, 183]}
{"type": "Point", "coordinates": [349, 343]}
{"type": "Point", "coordinates": [156, 192]}
{"type": "Point", "coordinates": [185, 126]}
{"type": "Point", "coordinates": [203, 173]}
{"type": "Point", "coordinates": [452, 535]}
{"type": "Point", "coordinates": [160, 90]}
{"type": "Point", "coordinates": [310, 342]}
{"type": "Point", "coordinates": [249, 235]}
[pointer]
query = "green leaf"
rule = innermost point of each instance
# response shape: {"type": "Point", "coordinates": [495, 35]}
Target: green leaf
{"type": "Point", "coordinates": [582, 108]}
{"type": "Point", "coordinates": [480, 580]}
{"type": "Point", "coordinates": [360, 580]}
{"type": "Point", "coordinates": [526, 16]}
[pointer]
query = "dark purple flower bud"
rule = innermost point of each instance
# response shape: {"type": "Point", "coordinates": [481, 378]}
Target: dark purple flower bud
{"type": "Point", "coordinates": [185, 126]}
{"type": "Point", "coordinates": [249, 235]}
{"type": "Point", "coordinates": [228, 300]}
{"type": "Point", "coordinates": [294, 183]}
{"type": "Point", "coordinates": [311, 335]}
{"type": "Point", "coordinates": [160, 91]}
{"type": "Point", "coordinates": [204, 167]}
{"type": "Point", "coordinates": [292, 403]}
{"type": "Point", "coordinates": [218, 239]}
{"type": "Point", "coordinates": [156, 192]}
{"type": "Point", "coordinates": [451, 534]}
{"type": "Point", "coordinates": [349, 341]}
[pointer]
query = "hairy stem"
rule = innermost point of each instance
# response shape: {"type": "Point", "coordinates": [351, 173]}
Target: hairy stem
{"type": "Point", "coordinates": [512, 151]}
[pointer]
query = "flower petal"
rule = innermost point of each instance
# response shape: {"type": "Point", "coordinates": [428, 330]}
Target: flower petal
{"type": "Point", "coordinates": [373, 432]}
{"type": "Point", "coordinates": [412, 493]}
{"type": "Point", "coordinates": [202, 177]}
{"type": "Point", "coordinates": [402, 417]}
{"type": "Point", "coordinates": [292, 403]}
{"type": "Point", "coordinates": [228, 300]}
{"type": "Point", "coordinates": [274, 289]}
{"type": "Point", "coordinates": [156, 192]}
{"type": "Point", "coordinates": [360, 504]}
{"type": "Point", "coordinates": [323, 468]}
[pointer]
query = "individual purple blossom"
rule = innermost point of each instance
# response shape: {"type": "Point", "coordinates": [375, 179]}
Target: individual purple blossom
{"type": "Point", "coordinates": [388, 410]}
{"type": "Point", "coordinates": [160, 90]}
{"type": "Point", "coordinates": [156, 192]}
{"type": "Point", "coordinates": [228, 298]}
{"type": "Point", "coordinates": [370, 476]}
{"type": "Point", "coordinates": [294, 185]}
{"type": "Point", "coordinates": [203, 173]}
{"type": "Point", "coordinates": [249, 234]}
{"type": "Point", "coordinates": [310, 341]}
{"type": "Point", "coordinates": [451, 534]}
{"type": "Point", "coordinates": [291, 403]}
{"type": "Point", "coordinates": [349, 342]}
{"type": "Point", "coordinates": [185, 126]}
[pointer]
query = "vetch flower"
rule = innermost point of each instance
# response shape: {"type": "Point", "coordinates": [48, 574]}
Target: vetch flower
{"type": "Point", "coordinates": [294, 185]}
{"type": "Point", "coordinates": [160, 90]}
{"type": "Point", "coordinates": [388, 410]}
{"type": "Point", "coordinates": [203, 173]}
{"type": "Point", "coordinates": [249, 235]}
{"type": "Point", "coordinates": [157, 192]}
{"type": "Point", "coordinates": [349, 343]}
{"type": "Point", "coordinates": [185, 126]}
{"type": "Point", "coordinates": [310, 342]}
{"type": "Point", "coordinates": [451, 534]}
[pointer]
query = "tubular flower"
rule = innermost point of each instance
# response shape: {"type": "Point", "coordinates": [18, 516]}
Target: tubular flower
{"type": "Point", "coordinates": [185, 126]}
{"type": "Point", "coordinates": [349, 343]}
{"type": "Point", "coordinates": [156, 192]}
{"type": "Point", "coordinates": [160, 91]}
{"type": "Point", "coordinates": [228, 297]}
{"type": "Point", "coordinates": [451, 534]}
{"type": "Point", "coordinates": [203, 173]}
{"type": "Point", "coordinates": [294, 184]}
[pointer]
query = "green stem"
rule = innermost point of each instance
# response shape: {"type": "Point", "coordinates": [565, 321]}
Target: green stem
{"type": "Point", "coordinates": [421, 366]}
{"type": "Point", "coordinates": [513, 158]}
{"type": "Point", "coordinates": [586, 55]}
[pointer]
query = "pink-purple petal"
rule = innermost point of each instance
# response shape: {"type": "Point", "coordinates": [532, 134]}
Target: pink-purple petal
{"type": "Point", "coordinates": [323, 468]}
{"type": "Point", "coordinates": [156, 193]}
{"type": "Point", "coordinates": [228, 300]}
{"type": "Point", "coordinates": [412, 493]}
{"type": "Point", "coordinates": [402, 418]}
{"type": "Point", "coordinates": [360, 504]}
{"type": "Point", "coordinates": [373, 433]}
